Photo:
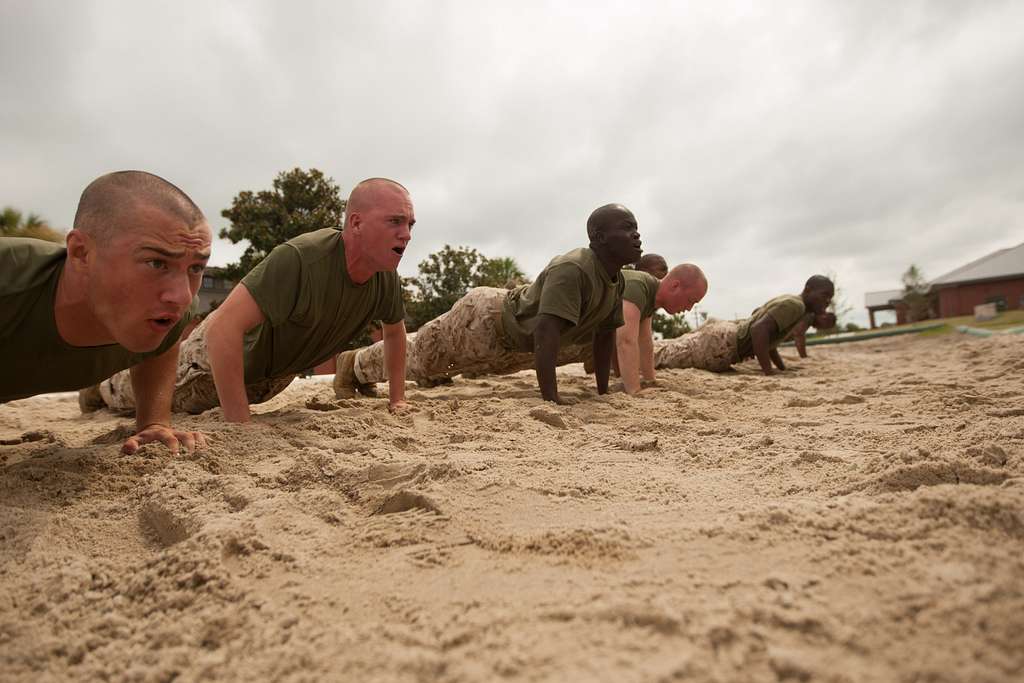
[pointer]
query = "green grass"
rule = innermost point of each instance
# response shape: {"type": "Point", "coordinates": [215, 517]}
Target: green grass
{"type": "Point", "coordinates": [1004, 320]}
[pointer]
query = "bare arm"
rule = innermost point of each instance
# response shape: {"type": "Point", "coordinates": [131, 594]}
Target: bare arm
{"type": "Point", "coordinates": [799, 337]}
{"type": "Point", "coordinates": [604, 349]}
{"type": "Point", "coordinates": [224, 338]}
{"type": "Point", "coordinates": [777, 359]}
{"type": "Point", "coordinates": [760, 336]}
{"type": "Point", "coordinates": [546, 338]}
{"type": "Point", "coordinates": [153, 386]}
{"type": "Point", "coordinates": [394, 361]}
{"type": "Point", "coordinates": [626, 343]}
{"type": "Point", "coordinates": [646, 342]}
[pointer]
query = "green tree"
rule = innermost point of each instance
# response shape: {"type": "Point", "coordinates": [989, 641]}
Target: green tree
{"type": "Point", "coordinates": [670, 326]}
{"type": "Point", "coordinates": [444, 277]}
{"type": "Point", "coordinates": [500, 272]}
{"type": "Point", "coordinates": [15, 224]}
{"type": "Point", "coordinates": [300, 201]}
{"type": "Point", "coordinates": [916, 294]}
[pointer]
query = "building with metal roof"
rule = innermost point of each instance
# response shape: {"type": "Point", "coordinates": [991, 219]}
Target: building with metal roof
{"type": "Point", "coordinates": [997, 278]}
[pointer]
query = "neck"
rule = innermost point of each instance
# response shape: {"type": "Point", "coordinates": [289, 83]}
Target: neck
{"type": "Point", "coordinates": [76, 323]}
{"type": "Point", "coordinates": [658, 303]}
{"type": "Point", "coordinates": [611, 266]}
{"type": "Point", "coordinates": [359, 269]}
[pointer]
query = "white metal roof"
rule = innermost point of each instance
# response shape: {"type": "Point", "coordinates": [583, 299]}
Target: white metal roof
{"type": "Point", "coordinates": [872, 299]}
{"type": "Point", "coordinates": [999, 264]}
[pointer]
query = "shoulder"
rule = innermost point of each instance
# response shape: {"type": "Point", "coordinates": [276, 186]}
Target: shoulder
{"type": "Point", "coordinates": [27, 263]}
{"type": "Point", "coordinates": [316, 245]}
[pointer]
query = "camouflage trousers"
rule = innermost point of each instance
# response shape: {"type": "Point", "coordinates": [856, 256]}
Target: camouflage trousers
{"type": "Point", "coordinates": [712, 347]}
{"type": "Point", "coordinates": [467, 338]}
{"type": "Point", "coordinates": [194, 389]}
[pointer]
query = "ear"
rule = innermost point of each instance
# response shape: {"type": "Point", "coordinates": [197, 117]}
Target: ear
{"type": "Point", "coordinates": [80, 247]}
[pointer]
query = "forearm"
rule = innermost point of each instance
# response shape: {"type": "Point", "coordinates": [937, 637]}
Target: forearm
{"type": "Point", "coordinates": [777, 359]}
{"type": "Point", "coordinates": [224, 349]}
{"type": "Point", "coordinates": [545, 353]}
{"type": "Point", "coordinates": [604, 348]}
{"type": "Point", "coordinates": [800, 341]}
{"type": "Point", "coordinates": [629, 364]}
{"type": "Point", "coordinates": [760, 343]}
{"type": "Point", "coordinates": [153, 386]}
{"type": "Point", "coordinates": [394, 360]}
{"type": "Point", "coordinates": [646, 355]}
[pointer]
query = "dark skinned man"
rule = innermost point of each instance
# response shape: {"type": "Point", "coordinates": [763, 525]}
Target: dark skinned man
{"type": "Point", "coordinates": [576, 300]}
{"type": "Point", "coordinates": [717, 345]}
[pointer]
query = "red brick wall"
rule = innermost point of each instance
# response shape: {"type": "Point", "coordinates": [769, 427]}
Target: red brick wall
{"type": "Point", "coordinates": [962, 299]}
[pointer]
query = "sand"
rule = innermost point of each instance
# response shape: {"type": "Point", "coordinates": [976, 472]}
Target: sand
{"type": "Point", "coordinates": [860, 518]}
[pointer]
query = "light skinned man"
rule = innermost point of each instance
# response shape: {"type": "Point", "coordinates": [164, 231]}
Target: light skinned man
{"type": "Point", "coordinates": [677, 292]}
{"type": "Point", "coordinates": [576, 300]}
{"type": "Point", "coordinates": [299, 307]}
{"type": "Point", "coordinates": [116, 297]}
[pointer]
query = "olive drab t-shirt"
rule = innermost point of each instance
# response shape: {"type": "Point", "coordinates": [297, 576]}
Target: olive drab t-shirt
{"type": "Point", "coordinates": [786, 310]}
{"type": "Point", "coordinates": [312, 307]}
{"type": "Point", "coordinates": [640, 290]}
{"type": "Point", "coordinates": [574, 287]}
{"type": "Point", "coordinates": [33, 357]}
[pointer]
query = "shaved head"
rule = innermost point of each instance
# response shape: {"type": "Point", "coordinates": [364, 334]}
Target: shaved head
{"type": "Point", "coordinates": [364, 195]}
{"type": "Point", "coordinates": [109, 204]}
{"type": "Point", "coordinates": [688, 276]}
{"type": "Point", "coordinates": [819, 283]}
{"type": "Point", "coordinates": [603, 216]}
{"type": "Point", "coordinates": [653, 264]}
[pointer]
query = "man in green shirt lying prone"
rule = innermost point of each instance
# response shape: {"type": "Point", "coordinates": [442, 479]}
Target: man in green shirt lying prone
{"type": "Point", "coordinates": [298, 307]}
{"type": "Point", "coordinates": [576, 300]}
{"type": "Point", "coordinates": [117, 296]}
{"type": "Point", "coordinates": [717, 345]}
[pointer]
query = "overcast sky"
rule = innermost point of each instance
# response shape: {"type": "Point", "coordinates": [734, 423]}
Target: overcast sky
{"type": "Point", "coordinates": [764, 141]}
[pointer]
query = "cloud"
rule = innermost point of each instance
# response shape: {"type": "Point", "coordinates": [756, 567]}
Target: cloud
{"type": "Point", "coordinates": [764, 142]}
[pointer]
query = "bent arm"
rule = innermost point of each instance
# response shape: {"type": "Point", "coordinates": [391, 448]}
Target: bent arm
{"type": "Point", "coordinates": [394, 361]}
{"type": "Point", "coordinates": [224, 341]}
{"type": "Point", "coordinates": [546, 338]}
{"type": "Point", "coordinates": [799, 337]}
{"type": "Point", "coordinates": [626, 343]}
{"type": "Point", "coordinates": [760, 337]}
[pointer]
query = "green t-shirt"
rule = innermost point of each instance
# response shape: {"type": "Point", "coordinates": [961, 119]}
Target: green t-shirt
{"type": "Point", "coordinates": [640, 290]}
{"type": "Point", "coordinates": [312, 307]}
{"type": "Point", "coordinates": [786, 310]}
{"type": "Point", "coordinates": [33, 357]}
{"type": "Point", "coordinates": [574, 287]}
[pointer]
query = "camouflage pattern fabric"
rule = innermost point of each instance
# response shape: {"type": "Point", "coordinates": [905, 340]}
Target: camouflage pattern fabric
{"type": "Point", "coordinates": [468, 338]}
{"type": "Point", "coordinates": [194, 389]}
{"type": "Point", "coordinates": [712, 347]}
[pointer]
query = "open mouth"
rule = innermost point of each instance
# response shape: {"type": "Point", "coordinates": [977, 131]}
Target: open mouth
{"type": "Point", "coordinates": [164, 322]}
{"type": "Point", "coordinates": [398, 250]}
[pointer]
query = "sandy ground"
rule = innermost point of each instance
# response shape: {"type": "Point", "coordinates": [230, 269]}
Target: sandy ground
{"type": "Point", "coordinates": [860, 518]}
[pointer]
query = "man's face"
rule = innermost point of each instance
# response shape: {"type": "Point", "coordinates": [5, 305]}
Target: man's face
{"type": "Point", "coordinates": [817, 300]}
{"type": "Point", "coordinates": [683, 297]}
{"type": "Point", "coordinates": [142, 279]}
{"type": "Point", "coordinates": [385, 227]}
{"type": "Point", "coordinates": [621, 238]}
